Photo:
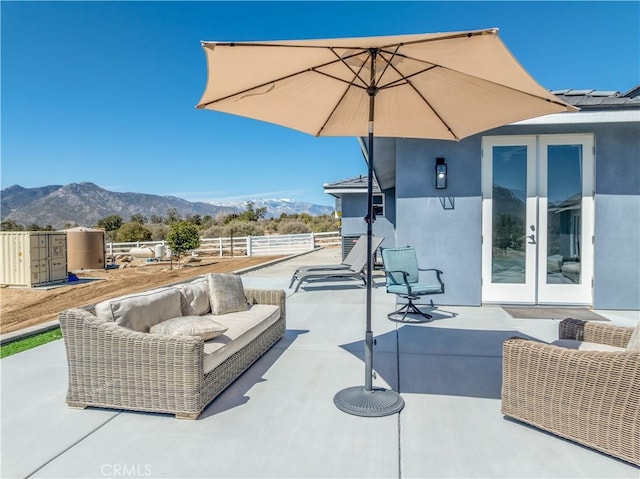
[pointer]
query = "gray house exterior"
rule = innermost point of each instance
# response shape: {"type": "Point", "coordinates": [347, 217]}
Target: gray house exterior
{"type": "Point", "coordinates": [543, 211]}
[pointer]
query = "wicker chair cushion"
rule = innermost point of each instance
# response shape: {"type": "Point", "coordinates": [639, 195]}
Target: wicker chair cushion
{"type": "Point", "coordinates": [244, 327]}
{"type": "Point", "coordinates": [226, 294]}
{"type": "Point", "coordinates": [634, 342]}
{"type": "Point", "coordinates": [140, 312]}
{"type": "Point", "coordinates": [203, 326]}
{"type": "Point", "coordinates": [585, 345]}
{"type": "Point", "coordinates": [194, 298]}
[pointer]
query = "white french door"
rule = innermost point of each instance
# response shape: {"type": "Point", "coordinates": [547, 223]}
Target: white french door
{"type": "Point", "coordinates": [538, 216]}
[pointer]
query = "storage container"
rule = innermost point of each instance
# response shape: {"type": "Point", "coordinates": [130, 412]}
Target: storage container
{"type": "Point", "coordinates": [33, 258]}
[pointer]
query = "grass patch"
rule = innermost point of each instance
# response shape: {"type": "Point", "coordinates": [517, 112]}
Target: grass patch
{"type": "Point", "coordinates": [31, 342]}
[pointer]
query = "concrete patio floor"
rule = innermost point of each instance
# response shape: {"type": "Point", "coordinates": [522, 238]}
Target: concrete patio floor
{"type": "Point", "coordinates": [278, 419]}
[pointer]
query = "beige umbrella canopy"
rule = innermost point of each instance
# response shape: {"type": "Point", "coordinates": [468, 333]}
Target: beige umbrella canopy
{"type": "Point", "coordinates": [441, 86]}
{"type": "Point", "coordinates": [438, 86]}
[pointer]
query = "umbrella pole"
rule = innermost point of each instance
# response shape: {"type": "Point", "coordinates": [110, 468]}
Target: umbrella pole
{"type": "Point", "coordinates": [368, 351]}
{"type": "Point", "coordinates": [358, 400]}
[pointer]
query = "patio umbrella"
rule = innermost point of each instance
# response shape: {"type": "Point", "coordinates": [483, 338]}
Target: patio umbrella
{"type": "Point", "coordinates": [438, 86]}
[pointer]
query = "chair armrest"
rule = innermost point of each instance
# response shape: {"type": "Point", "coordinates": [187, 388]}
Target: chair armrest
{"type": "Point", "coordinates": [538, 378]}
{"type": "Point", "coordinates": [431, 269]}
{"type": "Point", "coordinates": [276, 297]}
{"type": "Point", "coordinates": [404, 275]}
{"type": "Point", "coordinates": [595, 332]}
{"type": "Point", "coordinates": [438, 278]}
{"type": "Point", "coordinates": [404, 278]}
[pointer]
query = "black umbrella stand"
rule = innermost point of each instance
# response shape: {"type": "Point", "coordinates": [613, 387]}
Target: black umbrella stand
{"type": "Point", "coordinates": [367, 401]}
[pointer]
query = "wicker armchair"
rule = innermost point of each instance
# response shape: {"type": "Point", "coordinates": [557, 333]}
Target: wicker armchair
{"type": "Point", "coordinates": [590, 397]}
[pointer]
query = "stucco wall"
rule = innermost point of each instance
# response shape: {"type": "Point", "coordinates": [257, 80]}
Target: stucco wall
{"type": "Point", "coordinates": [444, 226]}
{"type": "Point", "coordinates": [451, 240]}
{"type": "Point", "coordinates": [354, 209]}
{"type": "Point", "coordinates": [617, 222]}
{"type": "Point", "coordinates": [616, 282]}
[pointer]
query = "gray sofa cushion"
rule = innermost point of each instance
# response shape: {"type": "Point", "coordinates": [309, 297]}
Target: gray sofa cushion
{"type": "Point", "coordinates": [244, 327]}
{"type": "Point", "coordinates": [194, 297]}
{"type": "Point", "coordinates": [202, 326]}
{"type": "Point", "coordinates": [585, 345]}
{"type": "Point", "coordinates": [141, 311]}
{"type": "Point", "coordinates": [226, 294]}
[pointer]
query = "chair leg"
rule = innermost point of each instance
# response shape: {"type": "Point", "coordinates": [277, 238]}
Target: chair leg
{"type": "Point", "coordinates": [293, 278]}
{"type": "Point", "coordinates": [407, 309]}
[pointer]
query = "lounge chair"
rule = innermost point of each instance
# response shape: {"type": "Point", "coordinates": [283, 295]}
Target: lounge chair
{"type": "Point", "coordinates": [355, 271]}
{"type": "Point", "coordinates": [357, 256]}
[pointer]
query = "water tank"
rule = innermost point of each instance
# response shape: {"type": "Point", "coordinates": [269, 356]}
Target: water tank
{"type": "Point", "coordinates": [159, 251]}
{"type": "Point", "coordinates": [86, 248]}
{"type": "Point", "coordinates": [145, 252]}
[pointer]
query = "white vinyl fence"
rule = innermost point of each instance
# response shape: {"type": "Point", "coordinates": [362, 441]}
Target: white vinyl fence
{"type": "Point", "coordinates": [238, 246]}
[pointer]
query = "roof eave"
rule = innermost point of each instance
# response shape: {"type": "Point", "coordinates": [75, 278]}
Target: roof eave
{"type": "Point", "coordinates": [588, 116]}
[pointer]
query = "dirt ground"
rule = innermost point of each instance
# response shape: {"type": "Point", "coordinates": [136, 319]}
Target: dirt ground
{"type": "Point", "coordinates": [24, 307]}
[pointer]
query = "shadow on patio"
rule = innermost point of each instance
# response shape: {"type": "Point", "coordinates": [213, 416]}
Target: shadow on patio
{"type": "Point", "coordinates": [236, 394]}
{"type": "Point", "coordinates": [442, 361]}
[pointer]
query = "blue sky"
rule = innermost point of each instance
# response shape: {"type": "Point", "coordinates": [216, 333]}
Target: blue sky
{"type": "Point", "coordinates": [105, 91]}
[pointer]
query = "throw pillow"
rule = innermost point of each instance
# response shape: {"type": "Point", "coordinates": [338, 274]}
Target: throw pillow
{"type": "Point", "coordinates": [141, 311]}
{"type": "Point", "coordinates": [634, 342]}
{"type": "Point", "coordinates": [226, 294]}
{"type": "Point", "coordinates": [206, 328]}
{"type": "Point", "coordinates": [194, 298]}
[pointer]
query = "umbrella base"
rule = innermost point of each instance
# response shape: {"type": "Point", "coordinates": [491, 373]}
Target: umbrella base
{"type": "Point", "coordinates": [375, 403]}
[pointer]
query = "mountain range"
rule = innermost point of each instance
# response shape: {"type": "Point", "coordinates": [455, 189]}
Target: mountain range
{"type": "Point", "coordinates": [83, 204]}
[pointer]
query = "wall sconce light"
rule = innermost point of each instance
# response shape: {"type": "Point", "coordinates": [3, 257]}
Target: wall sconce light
{"type": "Point", "coordinates": [441, 174]}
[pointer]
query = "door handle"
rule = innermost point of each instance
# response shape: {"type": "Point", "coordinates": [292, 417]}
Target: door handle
{"type": "Point", "coordinates": [532, 236]}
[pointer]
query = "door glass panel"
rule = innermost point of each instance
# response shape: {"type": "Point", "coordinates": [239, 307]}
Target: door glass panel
{"type": "Point", "coordinates": [564, 214]}
{"type": "Point", "coordinates": [509, 214]}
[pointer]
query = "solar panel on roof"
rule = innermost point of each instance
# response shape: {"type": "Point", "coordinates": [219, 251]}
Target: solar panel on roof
{"type": "Point", "coordinates": [605, 93]}
{"type": "Point", "coordinates": [578, 92]}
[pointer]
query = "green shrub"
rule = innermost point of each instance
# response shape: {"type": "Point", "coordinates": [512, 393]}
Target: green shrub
{"type": "Point", "coordinates": [158, 231]}
{"type": "Point", "coordinates": [133, 231]}
{"type": "Point", "coordinates": [215, 231]}
{"type": "Point", "coordinates": [293, 227]}
{"type": "Point", "coordinates": [244, 228]}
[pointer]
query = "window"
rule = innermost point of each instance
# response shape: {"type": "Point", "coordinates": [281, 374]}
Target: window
{"type": "Point", "coordinates": [378, 205]}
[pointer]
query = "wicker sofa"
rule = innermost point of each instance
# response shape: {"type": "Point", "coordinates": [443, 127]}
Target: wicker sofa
{"type": "Point", "coordinates": [577, 390]}
{"type": "Point", "coordinates": [122, 365]}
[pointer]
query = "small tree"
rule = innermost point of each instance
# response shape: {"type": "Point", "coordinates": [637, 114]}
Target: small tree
{"type": "Point", "coordinates": [10, 225]}
{"type": "Point", "coordinates": [110, 223]}
{"type": "Point", "coordinates": [138, 218]}
{"type": "Point", "coordinates": [253, 214]}
{"type": "Point", "coordinates": [172, 216]}
{"type": "Point", "coordinates": [194, 219]}
{"type": "Point", "coordinates": [132, 231]}
{"type": "Point", "coordinates": [182, 236]}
